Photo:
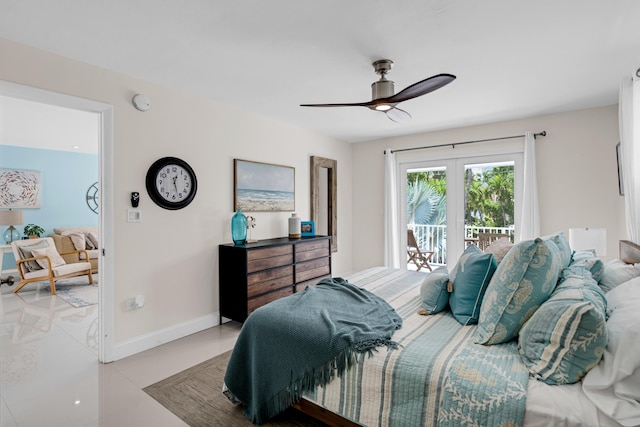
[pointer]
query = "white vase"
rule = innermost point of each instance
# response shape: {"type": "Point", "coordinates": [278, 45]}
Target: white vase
{"type": "Point", "coordinates": [294, 226]}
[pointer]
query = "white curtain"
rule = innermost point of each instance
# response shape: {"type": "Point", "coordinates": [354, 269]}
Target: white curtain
{"type": "Point", "coordinates": [529, 227]}
{"type": "Point", "coordinates": [391, 237]}
{"type": "Point", "coordinates": [629, 110]}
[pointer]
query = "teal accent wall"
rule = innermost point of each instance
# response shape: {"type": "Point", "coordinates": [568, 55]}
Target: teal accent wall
{"type": "Point", "coordinates": [65, 178]}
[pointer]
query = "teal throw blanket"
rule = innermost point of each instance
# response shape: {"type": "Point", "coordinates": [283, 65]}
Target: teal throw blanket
{"type": "Point", "coordinates": [296, 343]}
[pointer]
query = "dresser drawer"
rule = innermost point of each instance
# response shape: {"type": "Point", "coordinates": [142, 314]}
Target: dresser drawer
{"type": "Point", "coordinates": [269, 280]}
{"type": "Point", "coordinates": [312, 249]}
{"type": "Point", "coordinates": [259, 301]}
{"type": "Point", "coordinates": [275, 256]}
{"type": "Point", "coordinates": [312, 269]}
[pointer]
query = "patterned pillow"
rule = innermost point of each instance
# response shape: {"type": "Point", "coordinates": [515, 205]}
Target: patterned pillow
{"type": "Point", "coordinates": [499, 248]}
{"type": "Point", "coordinates": [470, 278]}
{"type": "Point", "coordinates": [593, 264]}
{"type": "Point", "coordinates": [52, 253]}
{"type": "Point", "coordinates": [524, 279]}
{"type": "Point", "coordinates": [26, 252]}
{"type": "Point", "coordinates": [563, 245]}
{"type": "Point", "coordinates": [433, 291]}
{"type": "Point", "coordinates": [567, 335]}
{"type": "Point", "coordinates": [77, 238]}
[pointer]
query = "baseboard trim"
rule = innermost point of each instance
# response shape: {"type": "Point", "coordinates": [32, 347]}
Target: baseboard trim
{"type": "Point", "coordinates": [163, 336]}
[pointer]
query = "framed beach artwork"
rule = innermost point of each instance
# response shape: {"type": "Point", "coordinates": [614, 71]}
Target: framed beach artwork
{"type": "Point", "coordinates": [19, 189]}
{"type": "Point", "coordinates": [263, 187]}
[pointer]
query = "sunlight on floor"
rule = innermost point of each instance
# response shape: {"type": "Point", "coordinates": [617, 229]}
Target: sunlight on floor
{"type": "Point", "coordinates": [50, 375]}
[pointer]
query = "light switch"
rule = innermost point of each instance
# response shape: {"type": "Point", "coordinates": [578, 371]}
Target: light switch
{"type": "Point", "coordinates": [134, 215]}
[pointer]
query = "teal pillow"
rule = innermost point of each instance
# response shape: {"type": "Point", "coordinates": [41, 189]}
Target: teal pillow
{"type": "Point", "coordinates": [470, 279]}
{"type": "Point", "coordinates": [563, 245]}
{"type": "Point", "coordinates": [524, 279]}
{"type": "Point", "coordinates": [593, 264]}
{"type": "Point", "coordinates": [26, 252]}
{"type": "Point", "coordinates": [567, 335]}
{"type": "Point", "coordinates": [433, 291]}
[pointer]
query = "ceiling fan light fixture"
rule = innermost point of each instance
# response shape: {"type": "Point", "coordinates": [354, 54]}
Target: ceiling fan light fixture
{"type": "Point", "coordinates": [383, 107]}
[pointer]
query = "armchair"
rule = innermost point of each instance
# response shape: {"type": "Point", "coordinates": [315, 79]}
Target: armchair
{"type": "Point", "coordinates": [38, 260]}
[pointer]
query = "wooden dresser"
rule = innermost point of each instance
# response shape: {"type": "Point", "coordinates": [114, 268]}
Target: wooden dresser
{"type": "Point", "coordinates": [255, 274]}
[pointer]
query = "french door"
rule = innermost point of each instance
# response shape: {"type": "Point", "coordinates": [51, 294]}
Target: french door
{"type": "Point", "coordinates": [448, 201]}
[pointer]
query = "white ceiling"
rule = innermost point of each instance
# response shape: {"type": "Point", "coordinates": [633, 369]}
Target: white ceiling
{"type": "Point", "coordinates": [512, 58]}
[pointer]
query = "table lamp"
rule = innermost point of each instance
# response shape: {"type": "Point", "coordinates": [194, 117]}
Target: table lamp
{"type": "Point", "coordinates": [589, 238]}
{"type": "Point", "coordinates": [11, 218]}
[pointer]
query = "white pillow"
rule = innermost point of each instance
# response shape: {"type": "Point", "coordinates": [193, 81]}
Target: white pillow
{"type": "Point", "coordinates": [77, 238]}
{"type": "Point", "coordinates": [612, 385]}
{"type": "Point", "coordinates": [93, 238]}
{"type": "Point", "coordinates": [52, 253]}
{"type": "Point", "coordinates": [617, 272]}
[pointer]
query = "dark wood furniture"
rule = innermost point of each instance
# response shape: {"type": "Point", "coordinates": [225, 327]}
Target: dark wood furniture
{"type": "Point", "coordinates": [255, 274]}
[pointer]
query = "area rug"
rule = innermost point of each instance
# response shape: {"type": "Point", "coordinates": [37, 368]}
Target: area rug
{"type": "Point", "coordinates": [77, 291]}
{"type": "Point", "coordinates": [195, 396]}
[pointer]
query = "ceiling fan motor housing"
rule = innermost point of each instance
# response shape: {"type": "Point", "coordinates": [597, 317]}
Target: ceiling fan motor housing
{"type": "Point", "coordinates": [382, 89]}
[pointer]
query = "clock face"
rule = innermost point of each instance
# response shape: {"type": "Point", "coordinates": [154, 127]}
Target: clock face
{"type": "Point", "coordinates": [171, 183]}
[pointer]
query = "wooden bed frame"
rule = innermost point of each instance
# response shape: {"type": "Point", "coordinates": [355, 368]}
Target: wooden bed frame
{"type": "Point", "coordinates": [629, 253]}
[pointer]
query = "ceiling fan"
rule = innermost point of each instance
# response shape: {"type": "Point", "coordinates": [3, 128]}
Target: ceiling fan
{"type": "Point", "coordinates": [383, 98]}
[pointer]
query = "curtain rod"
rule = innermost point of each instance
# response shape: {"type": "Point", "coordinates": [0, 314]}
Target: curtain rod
{"type": "Point", "coordinates": [453, 144]}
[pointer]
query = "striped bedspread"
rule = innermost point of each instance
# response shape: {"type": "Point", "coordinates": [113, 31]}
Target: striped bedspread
{"type": "Point", "coordinates": [438, 377]}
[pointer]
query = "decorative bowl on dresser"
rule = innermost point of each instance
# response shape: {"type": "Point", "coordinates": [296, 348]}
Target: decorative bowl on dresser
{"type": "Point", "coordinates": [255, 274]}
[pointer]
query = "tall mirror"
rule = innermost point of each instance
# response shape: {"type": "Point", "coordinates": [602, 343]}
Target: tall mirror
{"type": "Point", "coordinates": [324, 188]}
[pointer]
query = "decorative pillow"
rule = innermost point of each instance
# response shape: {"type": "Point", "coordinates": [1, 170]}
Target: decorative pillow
{"type": "Point", "coordinates": [566, 337]}
{"type": "Point", "coordinates": [524, 279]}
{"type": "Point", "coordinates": [77, 238]}
{"type": "Point", "coordinates": [594, 265]}
{"type": "Point", "coordinates": [616, 272]}
{"type": "Point", "coordinates": [499, 248]}
{"type": "Point", "coordinates": [470, 278]}
{"type": "Point", "coordinates": [612, 385]}
{"type": "Point", "coordinates": [27, 252]}
{"type": "Point", "coordinates": [93, 238]}
{"type": "Point", "coordinates": [582, 254]}
{"type": "Point", "coordinates": [563, 245]}
{"type": "Point", "coordinates": [52, 253]}
{"type": "Point", "coordinates": [435, 296]}
{"type": "Point", "coordinates": [88, 243]}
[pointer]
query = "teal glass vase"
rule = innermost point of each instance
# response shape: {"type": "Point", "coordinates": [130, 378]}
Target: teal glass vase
{"type": "Point", "coordinates": [239, 228]}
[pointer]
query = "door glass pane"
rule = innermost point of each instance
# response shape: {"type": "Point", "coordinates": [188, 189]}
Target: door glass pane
{"type": "Point", "coordinates": [488, 202]}
{"type": "Point", "coordinates": [427, 212]}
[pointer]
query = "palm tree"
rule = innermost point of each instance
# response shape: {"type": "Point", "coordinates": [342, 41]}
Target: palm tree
{"type": "Point", "coordinates": [425, 205]}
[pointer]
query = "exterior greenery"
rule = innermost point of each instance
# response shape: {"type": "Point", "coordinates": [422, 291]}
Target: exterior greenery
{"type": "Point", "coordinates": [488, 197]}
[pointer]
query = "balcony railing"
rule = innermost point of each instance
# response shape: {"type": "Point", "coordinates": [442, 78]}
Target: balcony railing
{"type": "Point", "coordinates": [434, 238]}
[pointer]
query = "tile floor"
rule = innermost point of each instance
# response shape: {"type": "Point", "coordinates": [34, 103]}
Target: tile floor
{"type": "Point", "coordinates": [50, 375]}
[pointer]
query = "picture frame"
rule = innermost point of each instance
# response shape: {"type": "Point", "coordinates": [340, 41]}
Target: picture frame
{"type": "Point", "coordinates": [308, 228]}
{"type": "Point", "coordinates": [263, 187]}
{"type": "Point", "coordinates": [619, 162]}
{"type": "Point", "coordinates": [19, 189]}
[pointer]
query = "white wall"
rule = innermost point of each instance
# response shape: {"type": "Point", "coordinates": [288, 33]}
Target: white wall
{"type": "Point", "coordinates": [577, 175]}
{"type": "Point", "coordinates": [171, 256]}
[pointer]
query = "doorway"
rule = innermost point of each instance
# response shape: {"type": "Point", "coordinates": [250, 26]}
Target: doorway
{"type": "Point", "coordinates": [105, 184]}
{"type": "Point", "coordinates": [448, 202]}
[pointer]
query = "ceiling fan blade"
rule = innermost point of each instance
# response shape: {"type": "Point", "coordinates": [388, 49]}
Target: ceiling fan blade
{"type": "Point", "coordinates": [422, 87]}
{"type": "Point", "coordinates": [397, 115]}
{"type": "Point", "coordinates": [352, 104]}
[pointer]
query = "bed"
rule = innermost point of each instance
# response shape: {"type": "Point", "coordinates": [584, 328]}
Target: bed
{"type": "Point", "coordinates": [433, 372]}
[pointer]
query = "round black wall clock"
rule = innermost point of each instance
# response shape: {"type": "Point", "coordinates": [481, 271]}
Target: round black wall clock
{"type": "Point", "coordinates": [171, 183]}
